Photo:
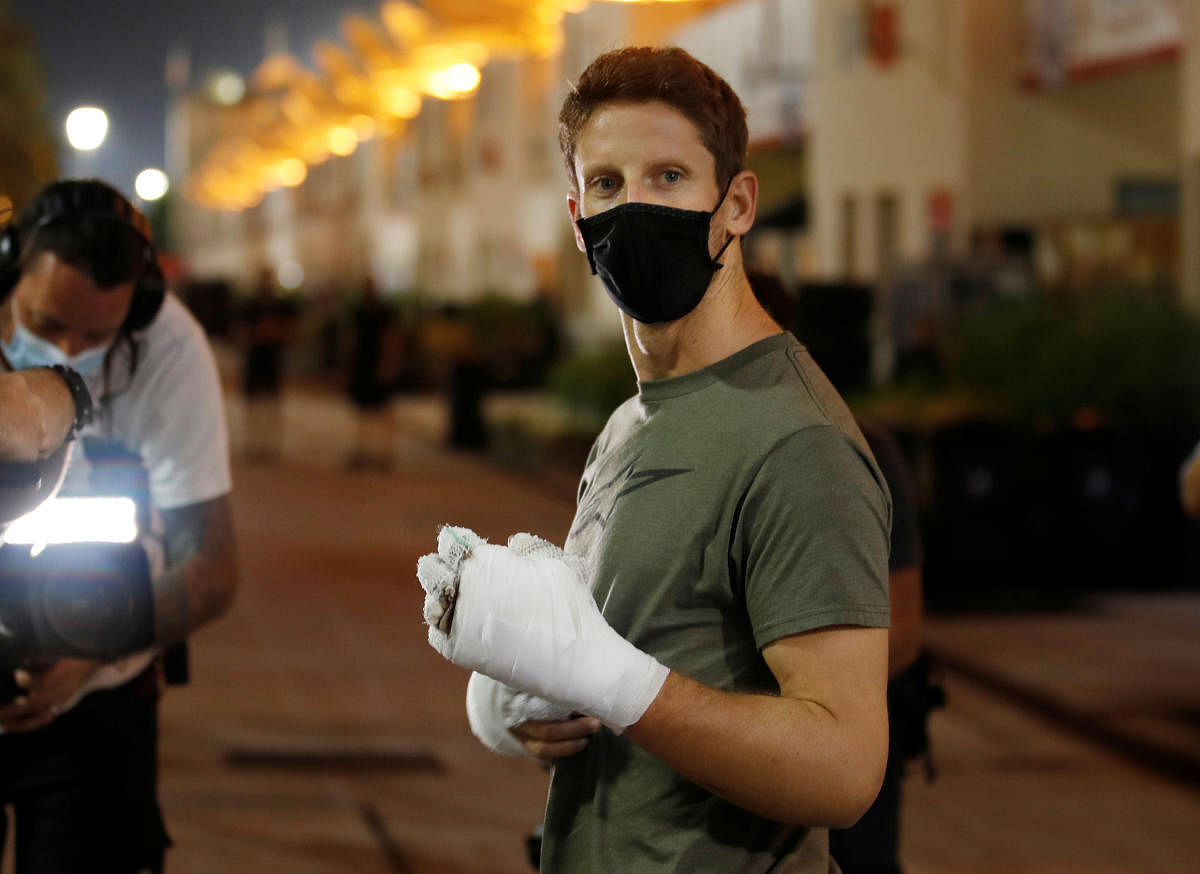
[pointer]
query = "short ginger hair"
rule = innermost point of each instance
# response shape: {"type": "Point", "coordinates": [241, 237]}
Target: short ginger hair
{"type": "Point", "coordinates": [643, 74]}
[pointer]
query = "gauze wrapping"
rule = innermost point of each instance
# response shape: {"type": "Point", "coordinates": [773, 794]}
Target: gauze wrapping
{"type": "Point", "coordinates": [529, 622]}
{"type": "Point", "coordinates": [493, 709]}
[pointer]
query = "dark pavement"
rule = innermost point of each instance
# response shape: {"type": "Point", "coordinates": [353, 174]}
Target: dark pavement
{"type": "Point", "coordinates": [322, 734]}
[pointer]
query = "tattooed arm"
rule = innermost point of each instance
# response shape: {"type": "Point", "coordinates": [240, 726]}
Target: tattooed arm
{"type": "Point", "coordinates": [201, 577]}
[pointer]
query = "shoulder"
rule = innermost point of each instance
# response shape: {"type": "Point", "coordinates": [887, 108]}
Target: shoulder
{"type": "Point", "coordinates": [174, 324]}
{"type": "Point", "coordinates": [620, 424]}
{"type": "Point", "coordinates": [172, 365]}
{"type": "Point", "coordinates": [780, 391]}
{"type": "Point", "coordinates": [175, 340]}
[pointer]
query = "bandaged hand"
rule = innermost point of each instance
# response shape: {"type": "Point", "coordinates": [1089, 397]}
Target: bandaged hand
{"type": "Point", "coordinates": [494, 709]}
{"type": "Point", "coordinates": [525, 617]}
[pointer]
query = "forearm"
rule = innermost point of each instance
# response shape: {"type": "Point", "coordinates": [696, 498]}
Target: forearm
{"type": "Point", "coordinates": [1190, 488]}
{"type": "Point", "coordinates": [37, 413]}
{"type": "Point", "coordinates": [786, 759]}
{"type": "Point", "coordinates": [201, 578]}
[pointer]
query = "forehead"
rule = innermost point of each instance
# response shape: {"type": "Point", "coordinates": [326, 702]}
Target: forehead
{"type": "Point", "coordinates": [626, 132]}
{"type": "Point", "coordinates": [52, 288]}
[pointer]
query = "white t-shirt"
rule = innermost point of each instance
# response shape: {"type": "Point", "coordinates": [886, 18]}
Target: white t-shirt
{"type": "Point", "coordinates": [171, 414]}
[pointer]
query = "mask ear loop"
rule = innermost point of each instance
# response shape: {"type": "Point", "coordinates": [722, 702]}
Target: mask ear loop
{"type": "Point", "coordinates": [717, 265]}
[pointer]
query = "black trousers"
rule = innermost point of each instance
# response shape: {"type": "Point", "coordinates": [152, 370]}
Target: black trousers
{"type": "Point", "coordinates": [84, 789]}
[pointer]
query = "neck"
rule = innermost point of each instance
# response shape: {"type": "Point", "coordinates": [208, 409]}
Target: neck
{"type": "Point", "coordinates": [727, 320]}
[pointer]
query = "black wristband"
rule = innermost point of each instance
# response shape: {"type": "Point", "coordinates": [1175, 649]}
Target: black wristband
{"type": "Point", "coordinates": [79, 395]}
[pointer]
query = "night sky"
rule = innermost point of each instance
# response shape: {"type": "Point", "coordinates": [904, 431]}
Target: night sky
{"type": "Point", "coordinates": [112, 54]}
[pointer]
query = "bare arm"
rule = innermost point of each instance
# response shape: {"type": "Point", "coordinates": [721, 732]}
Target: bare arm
{"type": "Point", "coordinates": [1189, 487]}
{"type": "Point", "coordinates": [814, 755]}
{"type": "Point", "coordinates": [202, 574]}
{"type": "Point", "coordinates": [37, 412]}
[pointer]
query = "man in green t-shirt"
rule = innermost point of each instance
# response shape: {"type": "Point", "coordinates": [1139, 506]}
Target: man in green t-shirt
{"type": "Point", "coordinates": [706, 664]}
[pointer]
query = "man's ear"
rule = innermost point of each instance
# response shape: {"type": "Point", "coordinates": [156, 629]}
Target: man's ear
{"type": "Point", "coordinates": [741, 203]}
{"type": "Point", "coordinates": [573, 208]}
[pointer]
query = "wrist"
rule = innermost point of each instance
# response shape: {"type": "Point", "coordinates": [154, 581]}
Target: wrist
{"type": "Point", "coordinates": [81, 398]}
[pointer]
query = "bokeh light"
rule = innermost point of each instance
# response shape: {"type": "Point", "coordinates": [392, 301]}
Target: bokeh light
{"type": "Point", "coordinates": [151, 184]}
{"type": "Point", "coordinates": [291, 275]}
{"type": "Point", "coordinates": [87, 126]}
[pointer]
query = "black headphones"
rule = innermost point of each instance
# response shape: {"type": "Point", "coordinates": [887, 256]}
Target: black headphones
{"type": "Point", "coordinates": [86, 198]}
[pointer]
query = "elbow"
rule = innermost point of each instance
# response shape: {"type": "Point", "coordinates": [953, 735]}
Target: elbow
{"type": "Point", "coordinates": [1189, 489]}
{"type": "Point", "coordinates": [1191, 501]}
{"type": "Point", "coordinates": [861, 781]}
{"type": "Point", "coordinates": [857, 799]}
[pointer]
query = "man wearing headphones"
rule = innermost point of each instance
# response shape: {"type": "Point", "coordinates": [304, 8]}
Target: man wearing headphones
{"type": "Point", "coordinates": [81, 293]}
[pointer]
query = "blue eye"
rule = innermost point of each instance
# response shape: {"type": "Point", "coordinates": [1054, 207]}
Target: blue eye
{"type": "Point", "coordinates": [672, 176]}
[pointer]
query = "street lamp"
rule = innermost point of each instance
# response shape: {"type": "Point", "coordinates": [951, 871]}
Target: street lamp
{"type": "Point", "coordinates": [86, 128]}
{"type": "Point", "coordinates": [151, 184]}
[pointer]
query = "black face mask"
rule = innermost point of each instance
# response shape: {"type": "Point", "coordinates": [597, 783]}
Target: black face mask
{"type": "Point", "coordinates": [653, 259]}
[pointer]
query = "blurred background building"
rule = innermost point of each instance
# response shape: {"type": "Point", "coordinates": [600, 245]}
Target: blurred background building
{"type": "Point", "coordinates": [422, 147]}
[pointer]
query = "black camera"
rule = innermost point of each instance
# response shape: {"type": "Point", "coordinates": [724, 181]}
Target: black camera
{"type": "Point", "coordinates": [88, 599]}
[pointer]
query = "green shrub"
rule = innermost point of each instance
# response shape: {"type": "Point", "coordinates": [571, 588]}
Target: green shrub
{"type": "Point", "coordinates": [594, 382]}
{"type": "Point", "coordinates": [1130, 357]}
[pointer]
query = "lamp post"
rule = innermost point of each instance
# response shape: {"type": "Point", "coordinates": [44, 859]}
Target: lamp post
{"type": "Point", "coordinates": [86, 126]}
{"type": "Point", "coordinates": [151, 184]}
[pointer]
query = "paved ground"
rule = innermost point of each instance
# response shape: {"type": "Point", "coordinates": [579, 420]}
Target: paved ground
{"type": "Point", "coordinates": [321, 733]}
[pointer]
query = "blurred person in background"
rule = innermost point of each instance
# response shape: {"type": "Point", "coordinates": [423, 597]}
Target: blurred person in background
{"type": "Point", "coordinates": [268, 324]}
{"type": "Point", "coordinates": [88, 648]}
{"type": "Point", "coordinates": [872, 845]}
{"type": "Point", "coordinates": [374, 362]}
{"type": "Point", "coordinates": [705, 665]}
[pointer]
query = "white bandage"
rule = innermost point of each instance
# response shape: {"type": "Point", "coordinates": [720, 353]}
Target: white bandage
{"type": "Point", "coordinates": [493, 709]}
{"type": "Point", "coordinates": [530, 622]}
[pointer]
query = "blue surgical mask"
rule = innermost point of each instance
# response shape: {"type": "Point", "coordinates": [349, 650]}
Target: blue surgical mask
{"type": "Point", "coordinates": [26, 349]}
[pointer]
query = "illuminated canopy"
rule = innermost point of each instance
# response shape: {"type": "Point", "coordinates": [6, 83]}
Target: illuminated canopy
{"type": "Point", "coordinates": [292, 118]}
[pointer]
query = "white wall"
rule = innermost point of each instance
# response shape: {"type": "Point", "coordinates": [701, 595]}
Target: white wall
{"type": "Point", "coordinates": [1038, 154]}
{"type": "Point", "coordinates": [897, 129]}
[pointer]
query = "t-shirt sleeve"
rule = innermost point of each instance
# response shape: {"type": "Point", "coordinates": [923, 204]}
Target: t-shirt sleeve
{"type": "Point", "coordinates": [184, 440]}
{"type": "Point", "coordinates": [813, 538]}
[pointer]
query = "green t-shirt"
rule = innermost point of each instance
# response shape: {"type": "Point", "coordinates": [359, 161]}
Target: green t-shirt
{"type": "Point", "coordinates": [719, 511]}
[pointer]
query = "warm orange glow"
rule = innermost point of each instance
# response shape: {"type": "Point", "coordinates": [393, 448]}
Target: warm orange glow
{"type": "Point", "coordinates": [291, 172]}
{"type": "Point", "coordinates": [398, 99]}
{"type": "Point", "coordinates": [342, 140]}
{"type": "Point", "coordinates": [293, 118]}
{"type": "Point", "coordinates": [457, 80]}
{"type": "Point", "coordinates": [315, 149]}
{"type": "Point", "coordinates": [364, 126]}
{"type": "Point", "coordinates": [298, 108]}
